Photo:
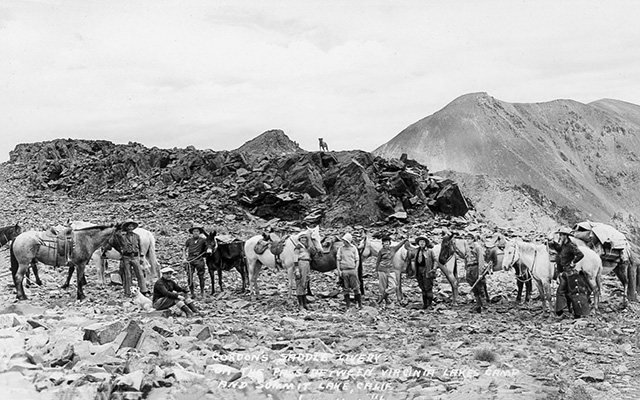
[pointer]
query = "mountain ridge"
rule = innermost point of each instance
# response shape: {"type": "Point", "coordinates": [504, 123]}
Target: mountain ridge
{"type": "Point", "coordinates": [582, 156]}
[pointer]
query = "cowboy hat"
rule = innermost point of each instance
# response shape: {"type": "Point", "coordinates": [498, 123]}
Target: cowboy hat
{"type": "Point", "coordinates": [129, 222]}
{"type": "Point", "coordinates": [419, 238]}
{"type": "Point", "coordinates": [348, 238]}
{"type": "Point", "coordinates": [201, 229]}
{"type": "Point", "coordinates": [385, 238]}
{"type": "Point", "coordinates": [167, 270]}
{"type": "Point", "coordinates": [565, 231]}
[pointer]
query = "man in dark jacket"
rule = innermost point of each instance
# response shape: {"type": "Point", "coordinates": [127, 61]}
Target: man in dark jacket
{"type": "Point", "coordinates": [167, 293]}
{"type": "Point", "coordinates": [568, 256]}
{"type": "Point", "coordinates": [194, 252]}
{"type": "Point", "coordinates": [425, 270]}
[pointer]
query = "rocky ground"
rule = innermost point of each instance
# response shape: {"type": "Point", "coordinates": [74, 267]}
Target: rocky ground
{"type": "Point", "coordinates": [52, 346]}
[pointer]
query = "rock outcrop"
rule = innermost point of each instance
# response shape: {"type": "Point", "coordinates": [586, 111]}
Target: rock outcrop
{"type": "Point", "coordinates": [270, 177]}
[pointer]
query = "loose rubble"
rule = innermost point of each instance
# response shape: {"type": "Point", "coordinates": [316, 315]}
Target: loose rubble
{"type": "Point", "coordinates": [107, 346]}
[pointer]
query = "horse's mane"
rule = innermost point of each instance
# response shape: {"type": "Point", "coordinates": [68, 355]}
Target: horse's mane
{"type": "Point", "coordinates": [100, 227]}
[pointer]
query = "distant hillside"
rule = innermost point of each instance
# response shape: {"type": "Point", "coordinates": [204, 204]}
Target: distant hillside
{"type": "Point", "coordinates": [583, 158]}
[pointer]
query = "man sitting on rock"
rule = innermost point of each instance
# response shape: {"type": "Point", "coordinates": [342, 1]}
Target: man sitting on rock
{"type": "Point", "coordinates": [166, 294]}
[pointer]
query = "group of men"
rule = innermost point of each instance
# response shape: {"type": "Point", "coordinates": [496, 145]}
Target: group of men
{"type": "Point", "coordinates": [167, 293]}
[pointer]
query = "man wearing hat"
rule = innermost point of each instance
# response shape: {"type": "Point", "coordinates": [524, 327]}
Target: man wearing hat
{"type": "Point", "coordinates": [384, 267]}
{"type": "Point", "coordinates": [167, 294]}
{"type": "Point", "coordinates": [474, 261]}
{"type": "Point", "coordinates": [347, 260]}
{"type": "Point", "coordinates": [194, 251]}
{"type": "Point", "coordinates": [425, 261]}
{"type": "Point", "coordinates": [568, 256]}
{"type": "Point", "coordinates": [127, 242]}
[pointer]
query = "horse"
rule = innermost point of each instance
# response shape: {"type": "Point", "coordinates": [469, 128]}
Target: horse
{"type": "Point", "coordinates": [590, 265]}
{"type": "Point", "coordinates": [267, 258]}
{"type": "Point", "coordinates": [9, 233]}
{"type": "Point", "coordinates": [449, 248]}
{"type": "Point", "coordinates": [221, 256]}
{"type": "Point", "coordinates": [323, 145]}
{"type": "Point", "coordinates": [401, 260]}
{"type": "Point", "coordinates": [618, 266]}
{"type": "Point", "coordinates": [35, 246]}
{"type": "Point", "coordinates": [534, 260]}
{"type": "Point", "coordinates": [109, 252]}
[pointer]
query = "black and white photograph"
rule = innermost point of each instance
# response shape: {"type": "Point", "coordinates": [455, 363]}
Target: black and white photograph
{"type": "Point", "coordinates": [318, 200]}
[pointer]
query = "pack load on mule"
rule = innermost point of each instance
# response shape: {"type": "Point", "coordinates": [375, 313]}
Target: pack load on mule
{"type": "Point", "coordinates": [605, 240]}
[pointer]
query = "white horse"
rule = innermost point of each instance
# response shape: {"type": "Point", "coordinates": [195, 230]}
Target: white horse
{"type": "Point", "coordinates": [100, 256]}
{"type": "Point", "coordinates": [267, 258]}
{"type": "Point", "coordinates": [590, 265]}
{"type": "Point", "coordinates": [535, 257]}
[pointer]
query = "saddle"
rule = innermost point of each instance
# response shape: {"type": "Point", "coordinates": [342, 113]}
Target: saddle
{"type": "Point", "coordinates": [59, 240]}
{"type": "Point", "coordinates": [275, 247]}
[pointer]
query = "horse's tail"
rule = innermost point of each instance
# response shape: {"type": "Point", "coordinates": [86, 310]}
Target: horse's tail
{"type": "Point", "coordinates": [14, 263]}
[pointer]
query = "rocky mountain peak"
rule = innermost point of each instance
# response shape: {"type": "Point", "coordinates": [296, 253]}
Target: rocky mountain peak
{"type": "Point", "coordinates": [270, 143]}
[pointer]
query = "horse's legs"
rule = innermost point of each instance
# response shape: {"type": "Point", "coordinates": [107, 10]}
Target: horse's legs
{"type": "Point", "coordinates": [399, 295]}
{"type": "Point", "coordinates": [80, 281]}
{"type": "Point", "coordinates": [99, 261]}
{"type": "Point", "coordinates": [253, 268]}
{"type": "Point", "coordinates": [18, 281]}
{"type": "Point", "coordinates": [34, 266]}
{"type": "Point", "coordinates": [212, 273]}
{"type": "Point", "coordinates": [69, 275]}
{"type": "Point", "coordinates": [621, 272]}
{"type": "Point", "coordinates": [449, 274]}
{"type": "Point", "coordinates": [528, 289]}
{"type": "Point", "coordinates": [360, 278]}
{"type": "Point", "coordinates": [541, 291]}
{"type": "Point", "coordinates": [219, 278]}
{"type": "Point", "coordinates": [520, 285]}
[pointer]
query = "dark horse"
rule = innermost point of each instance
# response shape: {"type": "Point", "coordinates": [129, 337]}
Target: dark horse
{"type": "Point", "coordinates": [9, 233]}
{"type": "Point", "coordinates": [33, 246]}
{"type": "Point", "coordinates": [222, 256]}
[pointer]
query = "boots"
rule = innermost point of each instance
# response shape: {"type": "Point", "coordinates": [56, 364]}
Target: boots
{"type": "Point", "coordinates": [359, 300]}
{"type": "Point", "coordinates": [300, 302]}
{"type": "Point", "coordinates": [347, 301]}
{"type": "Point", "coordinates": [478, 307]}
{"type": "Point", "coordinates": [187, 311]}
{"type": "Point", "coordinates": [386, 299]}
{"type": "Point", "coordinates": [192, 307]}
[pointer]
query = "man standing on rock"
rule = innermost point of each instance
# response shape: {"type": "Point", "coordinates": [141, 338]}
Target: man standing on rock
{"type": "Point", "coordinates": [474, 260]}
{"type": "Point", "coordinates": [128, 243]}
{"type": "Point", "coordinates": [194, 251]}
{"type": "Point", "coordinates": [167, 293]}
{"type": "Point", "coordinates": [347, 259]}
{"type": "Point", "coordinates": [384, 267]}
{"type": "Point", "coordinates": [425, 270]}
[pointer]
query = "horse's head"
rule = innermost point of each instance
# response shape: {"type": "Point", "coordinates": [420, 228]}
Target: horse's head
{"type": "Point", "coordinates": [314, 235]}
{"type": "Point", "coordinates": [9, 233]}
{"type": "Point", "coordinates": [211, 242]}
{"type": "Point", "coordinates": [511, 254]}
{"type": "Point", "coordinates": [447, 249]}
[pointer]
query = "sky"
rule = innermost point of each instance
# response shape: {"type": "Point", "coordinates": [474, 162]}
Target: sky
{"type": "Point", "coordinates": [215, 74]}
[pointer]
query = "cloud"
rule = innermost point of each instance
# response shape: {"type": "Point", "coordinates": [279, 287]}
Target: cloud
{"type": "Point", "coordinates": [356, 74]}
